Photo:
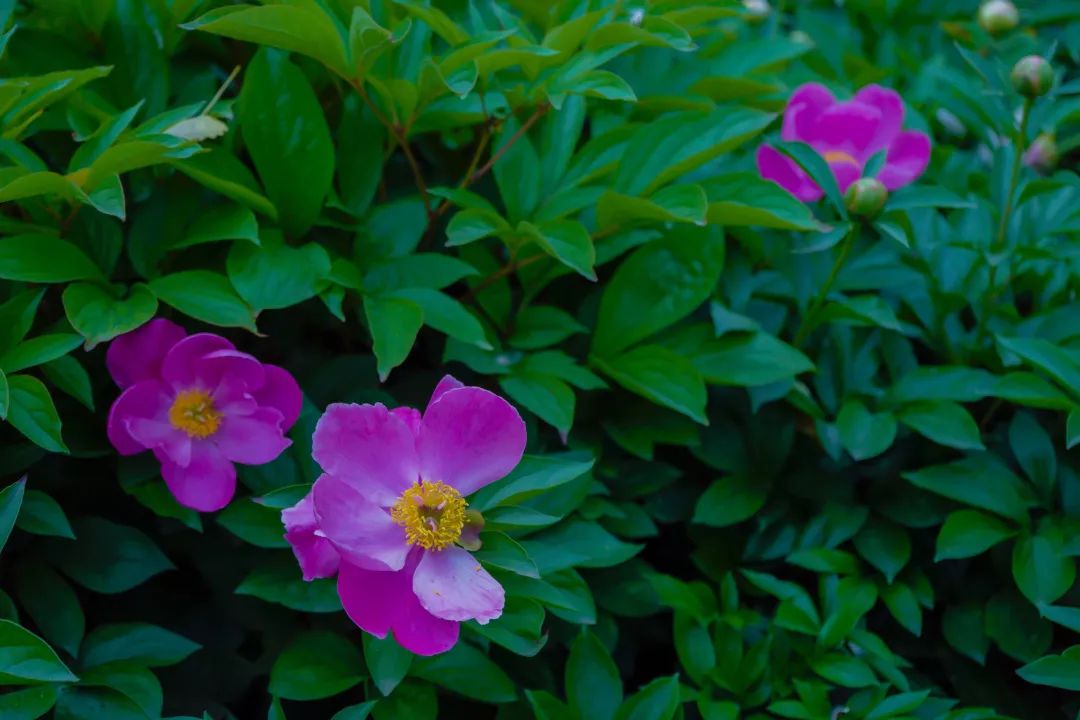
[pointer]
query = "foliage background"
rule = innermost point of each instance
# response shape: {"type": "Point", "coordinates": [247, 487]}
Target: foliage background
{"type": "Point", "coordinates": [555, 200]}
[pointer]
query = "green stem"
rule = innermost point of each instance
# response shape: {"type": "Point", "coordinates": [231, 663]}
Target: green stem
{"type": "Point", "coordinates": [810, 319]}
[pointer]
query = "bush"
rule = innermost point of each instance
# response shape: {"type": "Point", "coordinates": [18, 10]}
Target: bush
{"type": "Point", "coordinates": [799, 391]}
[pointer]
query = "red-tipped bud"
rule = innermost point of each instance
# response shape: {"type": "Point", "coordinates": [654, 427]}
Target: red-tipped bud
{"type": "Point", "coordinates": [1043, 153]}
{"type": "Point", "coordinates": [1032, 76]}
{"type": "Point", "coordinates": [998, 16]}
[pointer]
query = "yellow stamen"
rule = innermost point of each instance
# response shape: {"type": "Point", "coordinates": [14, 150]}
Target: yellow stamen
{"type": "Point", "coordinates": [193, 412]}
{"type": "Point", "coordinates": [432, 513]}
{"type": "Point", "coordinates": [839, 156]}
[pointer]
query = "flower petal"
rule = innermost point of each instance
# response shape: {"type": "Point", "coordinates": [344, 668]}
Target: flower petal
{"type": "Point", "coordinates": [845, 173]}
{"type": "Point", "coordinates": [316, 555]}
{"type": "Point", "coordinates": [145, 399]}
{"type": "Point", "coordinates": [449, 382]}
{"type": "Point", "coordinates": [452, 585]}
{"type": "Point", "coordinates": [178, 368]}
{"type": "Point", "coordinates": [280, 391]}
{"type": "Point", "coordinates": [891, 107]}
{"type": "Point", "coordinates": [908, 157]}
{"type": "Point", "coordinates": [409, 416]}
{"type": "Point", "coordinates": [215, 367]}
{"type": "Point", "coordinates": [848, 127]}
{"type": "Point", "coordinates": [368, 447]}
{"type": "Point", "coordinates": [207, 483]}
{"type": "Point", "coordinates": [252, 439]}
{"type": "Point", "coordinates": [469, 438]}
{"type": "Point", "coordinates": [803, 109]}
{"type": "Point", "coordinates": [362, 532]}
{"type": "Point", "coordinates": [379, 602]}
{"type": "Point", "coordinates": [168, 443]}
{"type": "Point", "coordinates": [137, 355]}
{"type": "Point", "coordinates": [785, 172]}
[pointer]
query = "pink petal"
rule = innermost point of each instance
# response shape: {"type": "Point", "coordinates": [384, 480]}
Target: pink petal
{"type": "Point", "coordinates": [316, 555]}
{"type": "Point", "coordinates": [470, 437]}
{"type": "Point", "coordinates": [891, 107]}
{"type": "Point", "coordinates": [137, 355]}
{"type": "Point", "coordinates": [803, 109]}
{"type": "Point", "coordinates": [849, 127]}
{"type": "Point", "coordinates": [145, 399]}
{"type": "Point", "coordinates": [178, 367]}
{"type": "Point", "coordinates": [379, 602]}
{"type": "Point", "coordinates": [452, 585]}
{"type": "Point", "coordinates": [449, 382]}
{"type": "Point", "coordinates": [168, 443]}
{"type": "Point", "coordinates": [280, 391]}
{"type": "Point", "coordinates": [409, 416]}
{"type": "Point", "coordinates": [785, 172]}
{"type": "Point", "coordinates": [207, 483]}
{"type": "Point", "coordinates": [212, 369]}
{"type": "Point", "coordinates": [845, 173]}
{"type": "Point", "coordinates": [908, 157]}
{"type": "Point", "coordinates": [368, 447]}
{"type": "Point", "coordinates": [251, 439]}
{"type": "Point", "coordinates": [361, 531]}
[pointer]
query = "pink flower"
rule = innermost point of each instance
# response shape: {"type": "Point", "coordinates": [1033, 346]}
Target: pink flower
{"type": "Point", "coordinates": [201, 406]}
{"type": "Point", "coordinates": [847, 134]}
{"type": "Point", "coordinates": [389, 510]}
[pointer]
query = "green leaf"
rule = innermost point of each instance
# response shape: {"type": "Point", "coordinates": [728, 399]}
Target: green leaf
{"type": "Point", "coordinates": [44, 259]}
{"type": "Point", "coordinates": [1060, 671]}
{"type": "Point", "coordinates": [884, 545]}
{"type": "Point", "coordinates": [517, 171]}
{"type": "Point", "coordinates": [593, 684]}
{"type": "Point", "coordinates": [205, 296]}
{"type": "Point", "coordinates": [843, 670]}
{"type": "Point", "coordinates": [904, 606]}
{"type": "Point", "coordinates": [944, 422]}
{"type": "Point", "coordinates": [254, 523]}
{"type": "Point", "coordinates": [1042, 570]}
{"type": "Point", "coordinates": [25, 658]}
{"type": "Point", "coordinates": [745, 199]}
{"type": "Point", "coordinates": [222, 172]}
{"type": "Point", "coordinates": [52, 604]}
{"type": "Point", "coordinates": [110, 558]}
{"type": "Point", "coordinates": [280, 582]}
{"type": "Point", "coordinates": [33, 414]}
{"type": "Point", "coordinates": [577, 543]}
{"type": "Point", "coordinates": [1014, 624]}
{"type": "Point", "coordinates": [446, 315]}
{"type": "Point", "coordinates": [414, 701]}
{"type": "Point", "coordinates": [664, 377]}
{"type": "Point", "coordinates": [749, 360]}
{"type": "Point", "coordinates": [41, 515]}
{"type": "Point", "coordinates": [550, 398]}
{"type": "Point", "coordinates": [394, 323]}
{"type": "Point", "coordinates": [141, 643]}
{"type": "Point", "coordinates": [360, 141]}
{"type": "Point", "coordinates": [565, 240]}
{"type": "Point", "coordinates": [534, 475]}
{"type": "Point", "coordinates": [897, 705]}
{"type": "Point", "coordinates": [854, 598]}
{"type": "Point", "coordinates": [657, 286]}
{"type": "Point", "coordinates": [473, 224]}
{"type": "Point", "coordinates": [387, 662]}
{"type": "Point", "coordinates": [818, 169]}
{"type": "Point", "coordinates": [28, 704]}
{"type": "Point", "coordinates": [38, 351]}
{"type": "Point", "coordinates": [302, 27]}
{"type": "Point", "coordinates": [134, 682]}
{"type": "Point", "coordinates": [1046, 356]}
{"type": "Point", "coordinates": [224, 221]}
{"type": "Point", "coordinates": [981, 481]}
{"type": "Point", "coordinates": [276, 275]}
{"type": "Point", "coordinates": [538, 326]}
{"type": "Point", "coordinates": [676, 203]}
{"type": "Point", "coordinates": [865, 434]}
{"type": "Point", "coordinates": [419, 270]}
{"type": "Point", "coordinates": [316, 665]}
{"type": "Point", "coordinates": [1034, 450]}
{"type": "Point", "coordinates": [729, 500]}
{"type": "Point", "coordinates": [659, 700]}
{"type": "Point", "coordinates": [964, 629]}
{"type": "Point", "coordinates": [469, 672]}
{"type": "Point", "coordinates": [11, 500]}
{"type": "Point", "coordinates": [16, 317]}
{"type": "Point", "coordinates": [967, 533]}
{"type": "Point", "coordinates": [356, 712]}
{"type": "Point", "coordinates": [286, 134]}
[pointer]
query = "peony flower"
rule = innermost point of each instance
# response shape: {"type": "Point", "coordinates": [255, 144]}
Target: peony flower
{"type": "Point", "coordinates": [389, 511]}
{"type": "Point", "coordinates": [200, 405]}
{"type": "Point", "coordinates": [847, 134]}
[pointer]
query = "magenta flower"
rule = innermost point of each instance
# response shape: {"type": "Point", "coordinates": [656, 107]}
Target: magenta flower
{"type": "Point", "coordinates": [201, 406]}
{"type": "Point", "coordinates": [847, 134]}
{"type": "Point", "coordinates": [389, 510]}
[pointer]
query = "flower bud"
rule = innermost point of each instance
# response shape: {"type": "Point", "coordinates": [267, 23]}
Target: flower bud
{"type": "Point", "coordinates": [1043, 153]}
{"type": "Point", "coordinates": [1032, 76]}
{"type": "Point", "coordinates": [998, 16]}
{"type": "Point", "coordinates": [866, 197]}
{"type": "Point", "coordinates": [756, 10]}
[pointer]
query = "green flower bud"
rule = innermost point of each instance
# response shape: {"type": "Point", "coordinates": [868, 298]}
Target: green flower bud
{"type": "Point", "coordinates": [1032, 76]}
{"type": "Point", "coordinates": [998, 16]}
{"type": "Point", "coordinates": [866, 197]}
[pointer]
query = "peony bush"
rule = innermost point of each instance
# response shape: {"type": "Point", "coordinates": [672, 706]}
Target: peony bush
{"type": "Point", "coordinates": [403, 359]}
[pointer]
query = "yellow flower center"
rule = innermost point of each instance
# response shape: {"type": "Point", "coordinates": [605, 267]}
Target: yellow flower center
{"type": "Point", "coordinates": [839, 156]}
{"type": "Point", "coordinates": [193, 412]}
{"type": "Point", "coordinates": [432, 513]}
